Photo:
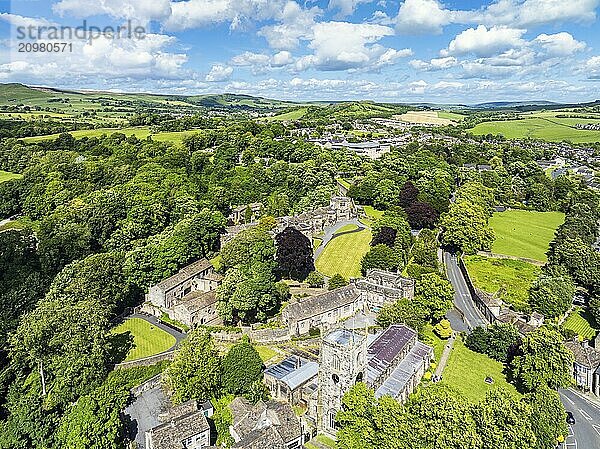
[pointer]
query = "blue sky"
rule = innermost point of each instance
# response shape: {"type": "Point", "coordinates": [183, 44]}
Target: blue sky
{"type": "Point", "coordinates": [384, 50]}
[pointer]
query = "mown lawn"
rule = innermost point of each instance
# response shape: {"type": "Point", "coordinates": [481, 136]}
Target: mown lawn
{"type": "Point", "coordinates": [434, 341]}
{"type": "Point", "coordinates": [536, 128]}
{"type": "Point", "coordinates": [266, 353]}
{"type": "Point", "coordinates": [582, 323]}
{"type": "Point", "coordinates": [510, 278]}
{"type": "Point", "coordinates": [147, 339]}
{"type": "Point", "coordinates": [7, 176]}
{"type": "Point", "coordinates": [523, 233]}
{"type": "Point", "coordinates": [346, 228]}
{"type": "Point", "coordinates": [343, 254]}
{"type": "Point", "coordinates": [466, 371]}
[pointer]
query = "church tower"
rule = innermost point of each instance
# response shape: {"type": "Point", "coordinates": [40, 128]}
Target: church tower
{"type": "Point", "coordinates": [343, 363]}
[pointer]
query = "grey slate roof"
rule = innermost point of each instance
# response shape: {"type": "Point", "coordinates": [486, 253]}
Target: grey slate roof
{"type": "Point", "coordinates": [384, 350]}
{"type": "Point", "coordinates": [320, 304]}
{"type": "Point", "coordinates": [405, 370]}
{"type": "Point", "coordinates": [194, 301]}
{"type": "Point", "coordinates": [293, 371]}
{"type": "Point", "coordinates": [184, 274]}
{"type": "Point", "coordinates": [170, 435]}
{"type": "Point", "coordinates": [584, 355]}
{"type": "Point", "coordinates": [263, 425]}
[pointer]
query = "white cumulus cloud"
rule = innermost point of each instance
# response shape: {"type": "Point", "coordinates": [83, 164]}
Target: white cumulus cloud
{"type": "Point", "coordinates": [218, 73]}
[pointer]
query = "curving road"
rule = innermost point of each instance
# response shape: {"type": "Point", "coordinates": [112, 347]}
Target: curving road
{"type": "Point", "coordinates": [471, 316]}
{"type": "Point", "coordinates": [585, 433]}
{"type": "Point", "coordinates": [329, 233]}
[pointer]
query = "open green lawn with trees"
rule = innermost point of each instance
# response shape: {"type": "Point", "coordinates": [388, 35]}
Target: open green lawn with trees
{"type": "Point", "coordinates": [524, 233]}
{"type": "Point", "coordinates": [536, 128]}
{"type": "Point", "coordinates": [147, 339]}
{"type": "Point", "coordinates": [343, 254]}
{"type": "Point", "coordinates": [7, 176]}
{"type": "Point", "coordinates": [466, 371]}
{"type": "Point", "coordinates": [510, 278]}
{"type": "Point", "coordinates": [582, 323]}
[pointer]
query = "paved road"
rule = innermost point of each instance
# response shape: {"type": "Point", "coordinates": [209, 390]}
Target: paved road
{"type": "Point", "coordinates": [472, 317]}
{"type": "Point", "coordinates": [330, 231]}
{"type": "Point", "coordinates": [585, 433]}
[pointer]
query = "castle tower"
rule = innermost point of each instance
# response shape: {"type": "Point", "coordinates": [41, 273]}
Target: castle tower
{"type": "Point", "coordinates": [343, 363]}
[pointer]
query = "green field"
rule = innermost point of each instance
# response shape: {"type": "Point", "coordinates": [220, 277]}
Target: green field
{"type": "Point", "coordinates": [139, 132]}
{"type": "Point", "coordinates": [466, 371]}
{"type": "Point", "coordinates": [582, 323]}
{"type": "Point", "coordinates": [511, 279]}
{"type": "Point", "coordinates": [147, 339]}
{"type": "Point", "coordinates": [537, 128]}
{"type": "Point", "coordinates": [266, 353]}
{"type": "Point", "coordinates": [7, 176]}
{"type": "Point", "coordinates": [524, 233]}
{"type": "Point", "coordinates": [451, 116]}
{"type": "Point", "coordinates": [292, 115]}
{"type": "Point", "coordinates": [434, 341]}
{"type": "Point", "coordinates": [343, 254]}
{"type": "Point", "coordinates": [346, 228]}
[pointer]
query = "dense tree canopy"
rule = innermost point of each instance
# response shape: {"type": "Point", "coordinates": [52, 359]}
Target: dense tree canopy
{"type": "Point", "coordinates": [294, 254]}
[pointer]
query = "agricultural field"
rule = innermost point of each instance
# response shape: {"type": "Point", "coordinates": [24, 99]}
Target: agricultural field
{"type": "Point", "coordinates": [343, 254]}
{"type": "Point", "coordinates": [582, 323]}
{"type": "Point", "coordinates": [522, 233]}
{"type": "Point", "coordinates": [466, 371]}
{"type": "Point", "coordinates": [425, 118]}
{"type": "Point", "coordinates": [140, 132]}
{"type": "Point", "coordinates": [148, 339]}
{"type": "Point", "coordinates": [510, 279]}
{"type": "Point", "coordinates": [451, 116]}
{"type": "Point", "coordinates": [7, 176]}
{"type": "Point", "coordinates": [292, 115]}
{"type": "Point", "coordinates": [540, 127]}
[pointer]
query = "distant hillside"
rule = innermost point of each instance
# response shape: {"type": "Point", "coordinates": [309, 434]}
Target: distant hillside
{"type": "Point", "coordinates": [15, 92]}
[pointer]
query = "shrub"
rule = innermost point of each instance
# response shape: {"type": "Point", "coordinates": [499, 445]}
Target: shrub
{"type": "Point", "coordinates": [443, 329]}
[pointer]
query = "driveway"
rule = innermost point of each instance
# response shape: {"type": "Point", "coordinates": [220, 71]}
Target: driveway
{"type": "Point", "coordinates": [143, 413]}
{"type": "Point", "coordinates": [585, 433]}
{"type": "Point", "coordinates": [330, 231]}
{"type": "Point", "coordinates": [179, 336]}
{"type": "Point", "coordinates": [463, 301]}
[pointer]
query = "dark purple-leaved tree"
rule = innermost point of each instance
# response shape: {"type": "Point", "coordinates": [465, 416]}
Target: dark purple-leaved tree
{"type": "Point", "coordinates": [294, 254]}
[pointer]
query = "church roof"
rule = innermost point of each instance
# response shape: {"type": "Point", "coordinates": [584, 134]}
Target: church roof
{"type": "Point", "coordinates": [293, 371]}
{"type": "Point", "coordinates": [387, 346]}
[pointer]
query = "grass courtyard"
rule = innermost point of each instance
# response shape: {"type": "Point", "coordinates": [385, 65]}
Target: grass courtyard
{"type": "Point", "coordinates": [466, 371]}
{"type": "Point", "coordinates": [523, 233]}
{"type": "Point", "coordinates": [343, 254]}
{"type": "Point", "coordinates": [511, 279]}
{"type": "Point", "coordinates": [147, 339]}
{"type": "Point", "coordinates": [582, 323]}
{"type": "Point", "coordinates": [7, 176]}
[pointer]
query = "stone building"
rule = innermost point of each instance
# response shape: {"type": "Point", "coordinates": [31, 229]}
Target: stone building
{"type": "Point", "coordinates": [325, 311]}
{"type": "Point", "coordinates": [184, 427]}
{"type": "Point", "coordinates": [188, 296]}
{"type": "Point", "coordinates": [391, 363]}
{"type": "Point", "coordinates": [586, 368]}
{"type": "Point", "coordinates": [310, 223]}
{"type": "Point", "coordinates": [271, 424]}
{"type": "Point", "coordinates": [245, 214]}
{"type": "Point", "coordinates": [381, 287]}
{"type": "Point", "coordinates": [343, 363]}
{"type": "Point", "coordinates": [287, 381]}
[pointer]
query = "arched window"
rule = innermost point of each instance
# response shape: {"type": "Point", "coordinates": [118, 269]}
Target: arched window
{"type": "Point", "coordinates": [335, 378]}
{"type": "Point", "coordinates": [359, 377]}
{"type": "Point", "coordinates": [335, 362]}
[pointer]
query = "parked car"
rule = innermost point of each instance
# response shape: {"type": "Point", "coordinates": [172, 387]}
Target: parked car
{"type": "Point", "coordinates": [570, 418]}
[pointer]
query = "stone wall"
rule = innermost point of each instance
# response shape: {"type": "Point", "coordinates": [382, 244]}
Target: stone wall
{"type": "Point", "coordinates": [148, 361]}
